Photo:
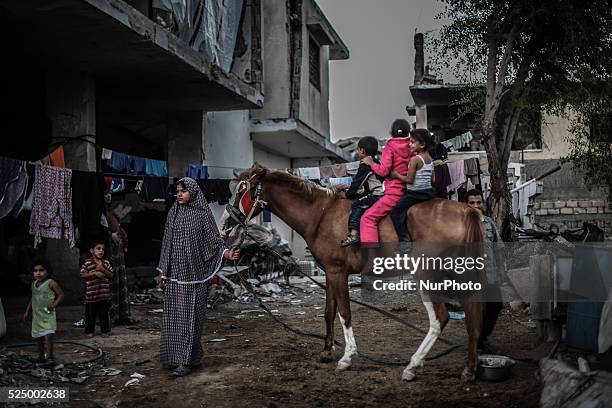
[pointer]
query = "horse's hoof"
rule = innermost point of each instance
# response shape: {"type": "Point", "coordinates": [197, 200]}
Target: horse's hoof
{"type": "Point", "coordinates": [408, 375]}
{"type": "Point", "coordinates": [326, 357]}
{"type": "Point", "coordinates": [342, 366]}
{"type": "Point", "coordinates": [468, 376]}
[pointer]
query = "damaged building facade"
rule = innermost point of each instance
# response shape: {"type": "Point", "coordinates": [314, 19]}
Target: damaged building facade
{"type": "Point", "coordinates": [292, 129]}
{"type": "Point", "coordinates": [561, 200]}
{"type": "Point", "coordinates": [136, 76]}
{"type": "Point", "coordinates": [179, 81]}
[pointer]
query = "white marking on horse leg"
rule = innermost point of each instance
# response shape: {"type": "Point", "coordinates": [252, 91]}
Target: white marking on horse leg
{"type": "Point", "coordinates": [426, 345]}
{"type": "Point", "coordinates": [350, 346]}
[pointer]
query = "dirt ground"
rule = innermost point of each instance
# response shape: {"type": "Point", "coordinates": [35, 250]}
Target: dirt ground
{"type": "Point", "coordinates": [260, 364]}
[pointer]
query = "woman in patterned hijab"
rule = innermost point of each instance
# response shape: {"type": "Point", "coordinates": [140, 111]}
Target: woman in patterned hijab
{"type": "Point", "coordinates": [192, 252]}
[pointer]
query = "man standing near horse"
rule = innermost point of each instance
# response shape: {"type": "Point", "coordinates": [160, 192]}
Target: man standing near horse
{"type": "Point", "coordinates": [492, 238]}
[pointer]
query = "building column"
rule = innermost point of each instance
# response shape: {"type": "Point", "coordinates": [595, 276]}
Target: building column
{"type": "Point", "coordinates": [71, 106]}
{"type": "Point", "coordinates": [185, 140]}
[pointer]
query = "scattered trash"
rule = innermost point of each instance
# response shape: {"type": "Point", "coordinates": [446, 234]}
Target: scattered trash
{"type": "Point", "coordinates": [137, 375]}
{"type": "Point", "coordinates": [108, 372]}
{"type": "Point", "coordinates": [456, 315]}
{"type": "Point", "coordinates": [148, 296]}
{"type": "Point", "coordinates": [156, 311]}
{"type": "Point", "coordinates": [271, 288]}
{"type": "Point", "coordinates": [300, 313]}
{"type": "Point", "coordinates": [245, 298]}
{"type": "Point", "coordinates": [133, 381]}
{"type": "Point", "coordinates": [354, 281]}
{"type": "Point", "coordinates": [216, 340]}
{"type": "Point", "coordinates": [80, 324]}
{"type": "Point", "coordinates": [79, 380]}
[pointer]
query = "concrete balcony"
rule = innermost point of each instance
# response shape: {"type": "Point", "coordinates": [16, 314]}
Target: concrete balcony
{"type": "Point", "coordinates": [137, 64]}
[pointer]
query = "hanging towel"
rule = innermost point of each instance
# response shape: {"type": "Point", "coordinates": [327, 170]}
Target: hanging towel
{"type": "Point", "coordinates": [352, 167]}
{"type": "Point", "coordinates": [106, 154]}
{"type": "Point", "coordinates": [55, 158]}
{"type": "Point", "coordinates": [138, 165]}
{"type": "Point", "coordinates": [52, 205]}
{"type": "Point", "coordinates": [117, 185]}
{"type": "Point", "coordinates": [472, 169]}
{"type": "Point", "coordinates": [442, 177]}
{"type": "Point", "coordinates": [310, 173]}
{"type": "Point", "coordinates": [156, 168]}
{"type": "Point", "coordinates": [197, 171]}
{"type": "Point", "coordinates": [339, 170]}
{"type": "Point", "coordinates": [216, 190]}
{"type": "Point", "coordinates": [13, 182]}
{"type": "Point", "coordinates": [120, 162]}
{"type": "Point", "coordinates": [457, 175]}
{"type": "Point", "coordinates": [340, 181]}
{"type": "Point", "coordinates": [327, 172]}
{"type": "Point", "coordinates": [154, 189]}
{"type": "Point", "coordinates": [87, 206]}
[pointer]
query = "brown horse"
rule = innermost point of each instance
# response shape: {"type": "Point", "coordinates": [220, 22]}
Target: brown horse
{"type": "Point", "coordinates": [320, 216]}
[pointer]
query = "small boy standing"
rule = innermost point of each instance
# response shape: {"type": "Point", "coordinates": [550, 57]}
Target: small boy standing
{"type": "Point", "coordinates": [97, 273]}
{"type": "Point", "coordinates": [367, 188]}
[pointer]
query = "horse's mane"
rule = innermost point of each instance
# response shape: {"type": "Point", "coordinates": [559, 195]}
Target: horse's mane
{"type": "Point", "coordinates": [309, 189]}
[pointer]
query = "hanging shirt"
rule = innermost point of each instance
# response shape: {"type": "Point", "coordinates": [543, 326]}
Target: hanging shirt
{"type": "Point", "coordinates": [310, 173]}
{"type": "Point", "coordinates": [87, 205]}
{"type": "Point", "coordinates": [457, 175]}
{"type": "Point", "coordinates": [197, 171]}
{"type": "Point", "coordinates": [52, 205]}
{"type": "Point", "coordinates": [156, 168]}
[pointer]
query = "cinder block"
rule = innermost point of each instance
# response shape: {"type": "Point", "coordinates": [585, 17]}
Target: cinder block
{"type": "Point", "coordinates": [571, 203]}
{"type": "Point", "coordinates": [584, 203]}
{"type": "Point", "coordinates": [591, 210]}
{"type": "Point", "coordinates": [579, 210]}
{"type": "Point", "coordinates": [567, 210]}
{"type": "Point", "coordinates": [598, 203]}
{"type": "Point", "coordinates": [553, 211]}
{"type": "Point", "coordinates": [601, 210]}
{"type": "Point", "coordinates": [536, 206]}
{"type": "Point", "coordinates": [541, 212]}
{"type": "Point", "coordinates": [559, 204]}
{"type": "Point", "coordinates": [546, 204]}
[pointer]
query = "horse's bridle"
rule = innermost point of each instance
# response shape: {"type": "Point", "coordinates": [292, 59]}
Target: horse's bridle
{"type": "Point", "coordinates": [250, 201]}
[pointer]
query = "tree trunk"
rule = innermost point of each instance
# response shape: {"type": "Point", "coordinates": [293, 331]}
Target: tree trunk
{"type": "Point", "coordinates": [498, 202]}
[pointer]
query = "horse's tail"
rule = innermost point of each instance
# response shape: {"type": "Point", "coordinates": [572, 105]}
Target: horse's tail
{"type": "Point", "coordinates": [473, 224]}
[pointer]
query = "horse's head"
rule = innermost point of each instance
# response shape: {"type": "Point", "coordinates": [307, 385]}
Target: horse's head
{"type": "Point", "coordinates": [248, 202]}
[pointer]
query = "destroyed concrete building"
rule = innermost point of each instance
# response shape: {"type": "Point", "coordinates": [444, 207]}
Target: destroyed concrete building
{"type": "Point", "coordinates": [292, 129]}
{"type": "Point", "coordinates": [563, 200]}
{"type": "Point", "coordinates": [135, 76]}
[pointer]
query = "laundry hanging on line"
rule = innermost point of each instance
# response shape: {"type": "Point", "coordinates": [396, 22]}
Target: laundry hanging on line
{"type": "Point", "coordinates": [13, 183]}
{"type": "Point", "coordinates": [52, 205]}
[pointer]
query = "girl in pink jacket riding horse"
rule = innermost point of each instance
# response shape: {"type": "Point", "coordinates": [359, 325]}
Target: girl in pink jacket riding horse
{"type": "Point", "coordinates": [395, 157]}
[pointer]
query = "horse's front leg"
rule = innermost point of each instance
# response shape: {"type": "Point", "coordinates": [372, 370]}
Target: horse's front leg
{"type": "Point", "coordinates": [339, 284]}
{"type": "Point", "coordinates": [330, 314]}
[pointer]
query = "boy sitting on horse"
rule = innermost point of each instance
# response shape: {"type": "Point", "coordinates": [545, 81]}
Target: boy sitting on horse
{"type": "Point", "coordinates": [418, 181]}
{"type": "Point", "coordinates": [366, 187]}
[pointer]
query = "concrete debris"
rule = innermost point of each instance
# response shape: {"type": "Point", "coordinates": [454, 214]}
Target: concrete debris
{"type": "Point", "coordinates": [271, 287]}
{"type": "Point", "coordinates": [133, 381]}
{"type": "Point", "coordinates": [137, 375]}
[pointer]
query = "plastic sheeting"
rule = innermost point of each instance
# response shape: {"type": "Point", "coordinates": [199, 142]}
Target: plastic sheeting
{"type": "Point", "coordinates": [208, 26]}
{"type": "Point", "coordinates": [605, 325]}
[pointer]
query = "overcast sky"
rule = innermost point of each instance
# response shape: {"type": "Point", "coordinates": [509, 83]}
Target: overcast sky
{"type": "Point", "coordinates": [370, 89]}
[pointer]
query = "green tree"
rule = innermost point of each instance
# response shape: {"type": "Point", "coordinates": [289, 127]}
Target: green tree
{"type": "Point", "coordinates": [521, 57]}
